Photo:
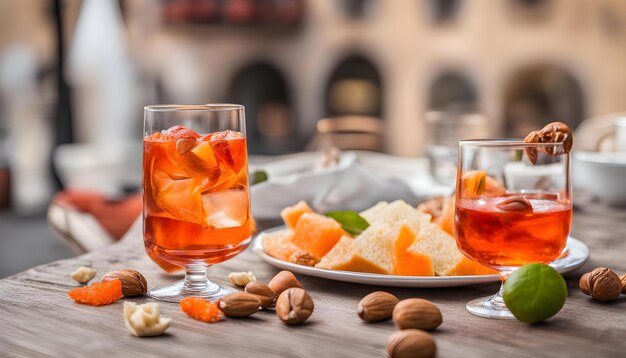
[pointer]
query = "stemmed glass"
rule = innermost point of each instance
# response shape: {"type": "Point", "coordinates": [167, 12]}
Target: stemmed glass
{"type": "Point", "coordinates": [511, 211]}
{"type": "Point", "coordinates": [195, 190]}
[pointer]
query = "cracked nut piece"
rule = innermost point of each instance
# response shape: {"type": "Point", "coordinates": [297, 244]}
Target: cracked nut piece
{"type": "Point", "coordinates": [515, 203]}
{"type": "Point", "coordinates": [263, 292]}
{"type": "Point", "coordinates": [145, 320]}
{"type": "Point", "coordinates": [133, 282]}
{"type": "Point", "coordinates": [294, 306]}
{"type": "Point", "coordinates": [376, 306]}
{"type": "Point", "coordinates": [284, 280]}
{"type": "Point", "coordinates": [417, 313]}
{"type": "Point", "coordinates": [602, 284]}
{"type": "Point", "coordinates": [411, 343]}
{"type": "Point", "coordinates": [623, 280]}
{"type": "Point", "coordinates": [303, 258]}
{"type": "Point", "coordinates": [83, 274]}
{"type": "Point", "coordinates": [239, 304]}
{"type": "Point", "coordinates": [241, 279]}
{"type": "Point", "coordinates": [555, 132]}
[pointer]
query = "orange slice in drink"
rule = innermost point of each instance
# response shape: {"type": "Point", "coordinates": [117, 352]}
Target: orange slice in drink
{"type": "Point", "coordinates": [477, 183]}
{"type": "Point", "coordinates": [230, 149]}
{"type": "Point", "coordinates": [179, 197]}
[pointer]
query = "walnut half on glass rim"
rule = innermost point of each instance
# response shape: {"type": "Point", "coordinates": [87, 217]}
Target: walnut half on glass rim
{"type": "Point", "coordinates": [555, 132]}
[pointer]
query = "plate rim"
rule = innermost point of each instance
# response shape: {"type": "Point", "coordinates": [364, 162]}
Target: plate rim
{"type": "Point", "coordinates": [391, 280]}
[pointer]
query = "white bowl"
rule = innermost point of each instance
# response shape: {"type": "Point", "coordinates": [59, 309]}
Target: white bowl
{"type": "Point", "coordinates": [603, 174]}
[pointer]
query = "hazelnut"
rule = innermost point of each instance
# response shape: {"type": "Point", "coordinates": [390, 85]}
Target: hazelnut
{"type": "Point", "coordinates": [294, 306]}
{"type": "Point", "coordinates": [417, 313]}
{"type": "Point", "coordinates": [239, 304]}
{"type": "Point", "coordinates": [603, 284]}
{"type": "Point", "coordinates": [411, 343]}
{"type": "Point", "coordinates": [133, 282]}
{"type": "Point", "coordinates": [303, 258]}
{"type": "Point", "coordinates": [623, 280]}
{"type": "Point", "coordinates": [376, 306]}
{"type": "Point", "coordinates": [266, 295]}
{"type": "Point", "coordinates": [284, 280]}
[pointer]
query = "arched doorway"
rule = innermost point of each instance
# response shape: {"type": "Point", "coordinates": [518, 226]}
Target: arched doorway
{"type": "Point", "coordinates": [538, 95]}
{"type": "Point", "coordinates": [354, 88]}
{"type": "Point", "coordinates": [451, 90]}
{"type": "Point", "coordinates": [270, 118]}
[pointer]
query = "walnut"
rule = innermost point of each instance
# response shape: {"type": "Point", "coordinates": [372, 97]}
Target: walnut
{"type": "Point", "coordinates": [83, 274]}
{"type": "Point", "coordinates": [602, 284]}
{"type": "Point", "coordinates": [555, 132]}
{"type": "Point", "coordinates": [303, 258]}
{"type": "Point", "coordinates": [241, 278]}
{"type": "Point", "coordinates": [145, 320]}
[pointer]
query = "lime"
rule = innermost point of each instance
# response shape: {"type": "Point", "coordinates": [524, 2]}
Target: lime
{"type": "Point", "coordinates": [534, 293]}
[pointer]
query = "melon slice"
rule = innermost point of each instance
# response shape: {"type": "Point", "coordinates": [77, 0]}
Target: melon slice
{"type": "Point", "coordinates": [410, 263]}
{"type": "Point", "coordinates": [292, 214]}
{"type": "Point", "coordinates": [317, 234]}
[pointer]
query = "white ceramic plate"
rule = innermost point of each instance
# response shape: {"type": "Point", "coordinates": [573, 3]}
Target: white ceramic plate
{"type": "Point", "coordinates": [578, 255]}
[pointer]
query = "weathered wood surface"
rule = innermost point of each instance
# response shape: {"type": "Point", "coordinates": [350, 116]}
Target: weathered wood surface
{"type": "Point", "coordinates": [38, 319]}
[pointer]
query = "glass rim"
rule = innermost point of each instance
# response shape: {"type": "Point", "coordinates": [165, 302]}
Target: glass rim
{"type": "Point", "coordinates": [208, 107]}
{"type": "Point", "coordinates": [507, 143]}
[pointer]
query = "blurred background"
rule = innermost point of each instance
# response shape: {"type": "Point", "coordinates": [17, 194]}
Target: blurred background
{"type": "Point", "coordinates": [75, 75]}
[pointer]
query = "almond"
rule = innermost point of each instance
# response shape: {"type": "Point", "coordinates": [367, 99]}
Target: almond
{"type": "Point", "coordinates": [417, 313]}
{"type": "Point", "coordinates": [239, 304]}
{"type": "Point", "coordinates": [376, 306]}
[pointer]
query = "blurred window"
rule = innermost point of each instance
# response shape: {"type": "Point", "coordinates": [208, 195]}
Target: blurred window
{"type": "Point", "coordinates": [445, 10]}
{"type": "Point", "coordinates": [538, 95]}
{"type": "Point", "coordinates": [451, 90]}
{"type": "Point", "coordinates": [271, 126]}
{"type": "Point", "coordinates": [354, 87]}
{"type": "Point", "coordinates": [355, 9]}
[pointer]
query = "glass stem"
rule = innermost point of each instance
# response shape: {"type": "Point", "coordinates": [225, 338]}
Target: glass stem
{"type": "Point", "coordinates": [195, 278]}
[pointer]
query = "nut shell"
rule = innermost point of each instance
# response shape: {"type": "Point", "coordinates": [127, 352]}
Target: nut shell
{"type": "Point", "coordinates": [133, 282]}
{"type": "Point", "coordinates": [604, 284]}
{"type": "Point", "coordinates": [239, 304]}
{"type": "Point", "coordinates": [284, 280]}
{"type": "Point", "coordinates": [417, 313]}
{"type": "Point", "coordinates": [266, 295]}
{"type": "Point", "coordinates": [376, 306]}
{"type": "Point", "coordinates": [411, 343]}
{"type": "Point", "coordinates": [294, 306]}
{"type": "Point", "coordinates": [623, 280]}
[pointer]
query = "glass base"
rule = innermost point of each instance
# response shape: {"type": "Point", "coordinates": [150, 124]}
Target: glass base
{"type": "Point", "coordinates": [179, 290]}
{"type": "Point", "coordinates": [489, 307]}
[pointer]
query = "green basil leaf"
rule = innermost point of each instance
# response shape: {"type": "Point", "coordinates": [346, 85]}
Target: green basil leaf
{"type": "Point", "coordinates": [259, 176]}
{"type": "Point", "coordinates": [351, 222]}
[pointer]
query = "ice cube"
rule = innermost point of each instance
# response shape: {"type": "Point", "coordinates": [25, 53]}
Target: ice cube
{"type": "Point", "coordinates": [226, 209]}
{"type": "Point", "coordinates": [230, 149]}
{"type": "Point", "coordinates": [180, 132]}
{"type": "Point", "coordinates": [178, 197]}
{"type": "Point", "coordinates": [184, 145]}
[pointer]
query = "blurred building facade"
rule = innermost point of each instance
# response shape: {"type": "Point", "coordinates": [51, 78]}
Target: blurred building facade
{"type": "Point", "coordinates": [521, 63]}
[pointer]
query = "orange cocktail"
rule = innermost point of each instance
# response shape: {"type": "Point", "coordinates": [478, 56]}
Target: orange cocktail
{"type": "Point", "coordinates": [195, 189]}
{"type": "Point", "coordinates": [497, 237]}
{"type": "Point", "coordinates": [196, 195]}
{"type": "Point", "coordinates": [513, 207]}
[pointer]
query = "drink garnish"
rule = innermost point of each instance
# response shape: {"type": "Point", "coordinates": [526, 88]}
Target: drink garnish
{"type": "Point", "coordinates": [555, 132]}
{"type": "Point", "coordinates": [350, 221]}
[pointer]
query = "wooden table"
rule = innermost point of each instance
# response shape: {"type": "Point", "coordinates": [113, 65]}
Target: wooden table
{"type": "Point", "coordinates": [38, 319]}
